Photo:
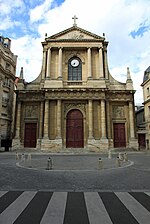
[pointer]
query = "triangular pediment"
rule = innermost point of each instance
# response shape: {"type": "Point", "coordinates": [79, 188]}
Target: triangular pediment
{"type": "Point", "coordinates": [75, 33]}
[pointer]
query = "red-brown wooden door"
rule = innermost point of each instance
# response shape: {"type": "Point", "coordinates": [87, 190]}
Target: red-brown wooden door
{"type": "Point", "coordinates": [30, 135]}
{"type": "Point", "coordinates": [74, 129]}
{"type": "Point", "coordinates": [119, 135]}
{"type": "Point", "coordinates": [141, 141]}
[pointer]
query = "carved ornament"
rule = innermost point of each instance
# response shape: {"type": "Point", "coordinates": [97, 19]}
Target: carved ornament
{"type": "Point", "coordinates": [70, 106]}
{"type": "Point", "coordinates": [31, 111]}
{"type": "Point", "coordinates": [118, 112]}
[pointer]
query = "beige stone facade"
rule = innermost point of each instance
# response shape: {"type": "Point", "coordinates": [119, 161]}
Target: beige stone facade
{"type": "Point", "coordinates": [146, 97]}
{"type": "Point", "coordinates": [75, 102]}
{"type": "Point", "coordinates": [7, 76]}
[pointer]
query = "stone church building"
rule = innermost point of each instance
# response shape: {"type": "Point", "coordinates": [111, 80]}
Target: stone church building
{"type": "Point", "coordinates": [75, 102]}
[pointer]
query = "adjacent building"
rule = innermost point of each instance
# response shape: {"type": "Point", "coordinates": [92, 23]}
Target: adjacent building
{"type": "Point", "coordinates": [141, 127]}
{"type": "Point", "coordinates": [146, 97]}
{"type": "Point", "coordinates": [75, 102]}
{"type": "Point", "coordinates": [7, 76]}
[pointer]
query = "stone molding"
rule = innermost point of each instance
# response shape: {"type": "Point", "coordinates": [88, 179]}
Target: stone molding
{"type": "Point", "coordinates": [78, 106]}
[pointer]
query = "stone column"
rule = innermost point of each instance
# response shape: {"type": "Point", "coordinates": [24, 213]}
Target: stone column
{"type": "Point", "coordinates": [105, 63]}
{"type": "Point", "coordinates": [103, 119]}
{"type": "Point", "coordinates": [48, 63]}
{"type": "Point", "coordinates": [89, 63]}
{"type": "Point", "coordinates": [18, 119]}
{"type": "Point", "coordinates": [58, 118]}
{"type": "Point", "coordinates": [108, 120]}
{"type": "Point", "coordinates": [41, 119]}
{"type": "Point", "coordinates": [44, 64]}
{"type": "Point", "coordinates": [131, 120]}
{"type": "Point", "coordinates": [101, 71]}
{"type": "Point", "coordinates": [90, 119]}
{"type": "Point", "coordinates": [46, 119]}
{"type": "Point", "coordinates": [60, 63]}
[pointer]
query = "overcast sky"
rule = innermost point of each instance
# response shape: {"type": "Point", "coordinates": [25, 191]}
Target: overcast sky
{"type": "Point", "coordinates": [126, 24]}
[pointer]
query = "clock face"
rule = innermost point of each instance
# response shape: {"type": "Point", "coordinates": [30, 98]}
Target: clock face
{"type": "Point", "coordinates": [75, 62]}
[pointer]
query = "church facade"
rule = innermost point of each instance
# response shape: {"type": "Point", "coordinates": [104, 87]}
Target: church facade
{"type": "Point", "coordinates": [75, 103]}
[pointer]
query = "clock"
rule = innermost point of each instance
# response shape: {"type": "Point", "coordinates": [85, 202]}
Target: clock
{"type": "Point", "coordinates": [75, 62]}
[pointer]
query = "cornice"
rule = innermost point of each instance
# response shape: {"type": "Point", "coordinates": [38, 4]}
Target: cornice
{"type": "Point", "coordinates": [74, 94]}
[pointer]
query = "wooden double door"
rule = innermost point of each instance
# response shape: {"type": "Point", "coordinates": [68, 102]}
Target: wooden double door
{"type": "Point", "coordinates": [74, 129]}
{"type": "Point", "coordinates": [119, 135]}
{"type": "Point", "coordinates": [30, 135]}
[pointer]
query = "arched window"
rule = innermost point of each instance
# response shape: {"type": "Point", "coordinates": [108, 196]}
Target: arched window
{"type": "Point", "coordinates": [74, 69]}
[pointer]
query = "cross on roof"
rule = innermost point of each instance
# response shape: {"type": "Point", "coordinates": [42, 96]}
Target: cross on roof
{"type": "Point", "coordinates": [74, 18]}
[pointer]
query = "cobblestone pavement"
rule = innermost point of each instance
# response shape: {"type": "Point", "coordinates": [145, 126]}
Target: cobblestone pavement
{"type": "Point", "coordinates": [75, 173]}
{"type": "Point", "coordinates": [77, 190]}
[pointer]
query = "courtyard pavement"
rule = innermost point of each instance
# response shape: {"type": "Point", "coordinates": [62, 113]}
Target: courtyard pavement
{"type": "Point", "coordinates": [77, 189]}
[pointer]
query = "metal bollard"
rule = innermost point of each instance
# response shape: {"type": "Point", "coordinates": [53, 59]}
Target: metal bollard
{"type": "Point", "coordinates": [29, 157]}
{"type": "Point", "coordinates": [125, 157]}
{"type": "Point", "coordinates": [118, 162]}
{"type": "Point", "coordinates": [120, 156]}
{"type": "Point", "coordinates": [49, 164]}
{"type": "Point", "coordinates": [100, 163]}
{"type": "Point", "coordinates": [109, 154]}
{"type": "Point", "coordinates": [17, 156]}
{"type": "Point", "coordinates": [29, 160]}
{"type": "Point", "coordinates": [23, 157]}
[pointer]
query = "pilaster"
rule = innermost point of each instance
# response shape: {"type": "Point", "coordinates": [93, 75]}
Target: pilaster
{"type": "Point", "coordinates": [89, 63]}
{"type": "Point", "coordinates": [101, 71]}
{"type": "Point", "coordinates": [133, 143]}
{"type": "Point", "coordinates": [44, 64]}
{"type": "Point", "coordinates": [48, 63]}
{"type": "Point", "coordinates": [103, 120]}
{"type": "Point", "coordinates": [58, 119]}
{"type": "Point", "coordinates": [60, 64]}
{"type": "Point", "coordinates": [90, 119]}
{"type": "Point", "coordinates": [46, 119]}
{"type": "Point", "coordinates": [105, 63]}
{"type": "Point", "coordinates": [40, 125]}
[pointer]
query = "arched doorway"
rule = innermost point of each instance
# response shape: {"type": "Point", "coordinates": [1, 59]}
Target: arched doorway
{"type": "Point", "coordinates": [74, 129]}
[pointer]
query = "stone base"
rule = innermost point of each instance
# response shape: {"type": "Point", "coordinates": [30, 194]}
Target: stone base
{"type": "Point", "coordinates": [51, 145]}
{"type": "Point", "coordinates": [16, 144]}
{"type": "Point", "coordinates": [97, 145]}
{"type": "Point", "coordinates": [2, 149]}
{"type": "Point", "coordinates": [110, 143]}
{"type": "Point", "coordinates": [133, 143]}
{"type": "Point", "coordinates": [38, 143]}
